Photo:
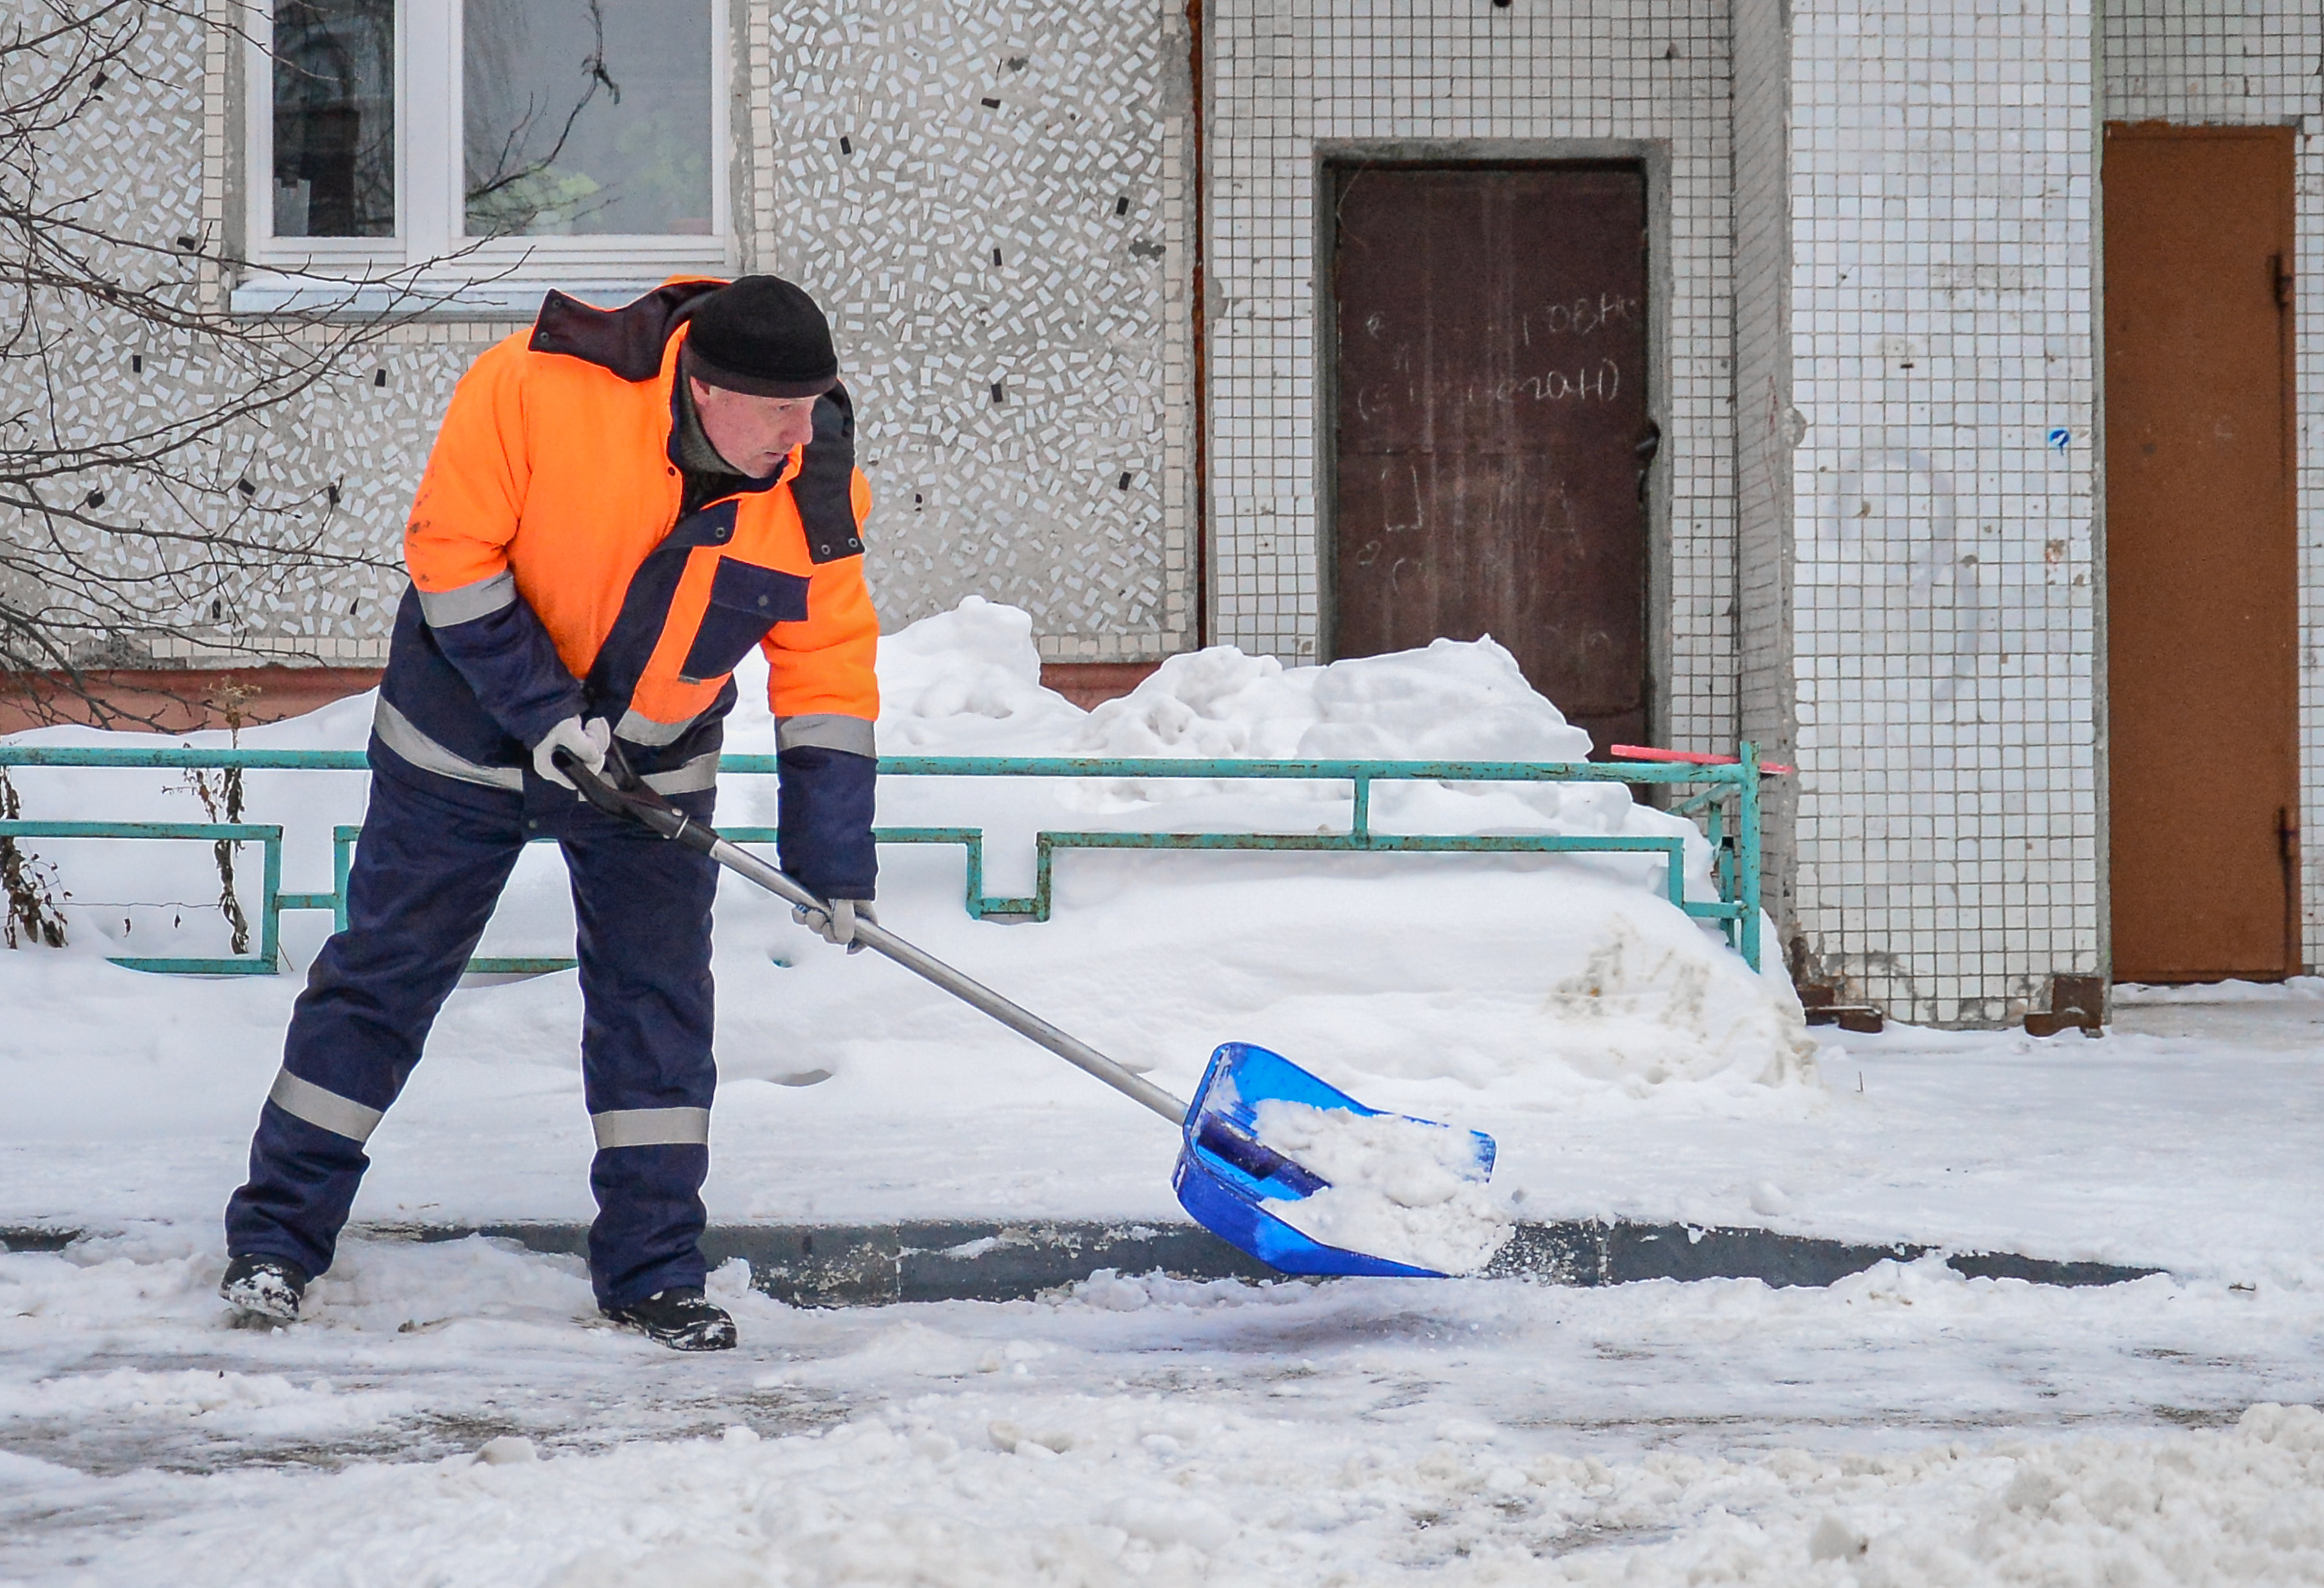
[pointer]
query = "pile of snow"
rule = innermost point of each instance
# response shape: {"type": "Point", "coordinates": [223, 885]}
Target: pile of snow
{"type": "Point", "coordinates": [1453, 701]}
{"type": "Point", "coordinates": [1401, 1189]}
{"type": "Point", "coordinates": [965, 682]}
{"type": "Point", "coordinates": [1480, 989]}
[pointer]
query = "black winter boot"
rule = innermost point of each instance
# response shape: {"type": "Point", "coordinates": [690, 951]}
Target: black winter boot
{"type": "Point", "coordinates": [683, 1320]}
{"type": "Point", "coordinates": [266, 1287]}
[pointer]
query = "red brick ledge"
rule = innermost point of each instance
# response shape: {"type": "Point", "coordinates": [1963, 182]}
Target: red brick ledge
{"type": "Point", "coordinates": [1089, 684]}
{"type": "Point", "coordinates": [176, 700]}
{"type": "Point", "coordinates": [181, 700]}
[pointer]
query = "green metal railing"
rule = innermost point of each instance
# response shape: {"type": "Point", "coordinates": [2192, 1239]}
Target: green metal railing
{"type": "Point", "coordinates": [1734, 834]}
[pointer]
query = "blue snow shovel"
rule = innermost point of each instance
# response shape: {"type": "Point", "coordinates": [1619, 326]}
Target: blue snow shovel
{"type": "Point", "coordinates": [1226, 1176]}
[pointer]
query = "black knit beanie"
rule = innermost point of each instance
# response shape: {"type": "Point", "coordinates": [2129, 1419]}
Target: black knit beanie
{"type": "Point", "coordinates": [762, 335]}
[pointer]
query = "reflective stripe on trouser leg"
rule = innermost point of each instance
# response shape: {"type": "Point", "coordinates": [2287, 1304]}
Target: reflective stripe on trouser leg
{"type": "Point", "coordinates": [642, 919]}
{"type": "Point", "coordinates": [427, 871]}
{"type": "Point", "coordinates": [653, 1127]}
{"type": "Point", "coordinates": [342, 1116]}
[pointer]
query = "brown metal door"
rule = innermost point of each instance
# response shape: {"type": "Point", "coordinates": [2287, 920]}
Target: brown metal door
{"type": "Point", "coordinates": [2202, 603]}
{"type": "Point", "coordinates": [1490, 359]}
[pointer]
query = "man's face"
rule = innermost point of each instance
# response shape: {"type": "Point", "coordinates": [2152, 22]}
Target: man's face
{"type": "Point", "coordinates": [755, 434]}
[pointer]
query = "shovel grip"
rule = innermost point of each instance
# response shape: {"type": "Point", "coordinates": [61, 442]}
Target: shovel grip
{"type": "Point", "coordinates": [626, 794]}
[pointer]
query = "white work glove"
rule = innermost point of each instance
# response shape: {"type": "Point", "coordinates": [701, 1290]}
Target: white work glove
{"type": "Point", "coordinates": [586, 741]}
{"type": "Point", "coordinates": [836, 925]}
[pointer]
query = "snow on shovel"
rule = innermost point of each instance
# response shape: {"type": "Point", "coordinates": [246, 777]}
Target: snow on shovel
{"type": "Point", "coordinates": [1293, 1171]}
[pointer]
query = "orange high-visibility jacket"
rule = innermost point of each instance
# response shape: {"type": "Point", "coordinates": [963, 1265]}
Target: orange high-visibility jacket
{"type": "Point", "coordinates": [553, 576]}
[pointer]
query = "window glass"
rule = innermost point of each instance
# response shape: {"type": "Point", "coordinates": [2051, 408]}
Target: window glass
{"type": "Point", "coordinates": [586, 117]}
{"type": "Point", "coordinates": [335, 118]}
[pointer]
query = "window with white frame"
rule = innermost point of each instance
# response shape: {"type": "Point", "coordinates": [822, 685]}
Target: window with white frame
{"type": "Point", "coordinates": [507, 142]}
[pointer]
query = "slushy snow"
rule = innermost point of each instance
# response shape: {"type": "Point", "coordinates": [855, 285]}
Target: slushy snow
{"type": "Point", "coordinates": [450, 1416]}
{"type": "Point", "coordinates": [1402, 1189]}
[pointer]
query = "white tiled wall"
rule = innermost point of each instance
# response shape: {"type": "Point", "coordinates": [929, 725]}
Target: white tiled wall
{"type": "Point", "coordinates": [1004, 242]}
{"type": "Point", "coordinates": [1288, 75]}
{"type": "Point", "coordinates": [1766, 425]}
{"type": "Point", "coordinates": [1948, 838]}
{"type": "Point", "coordinates": [2256, 62]}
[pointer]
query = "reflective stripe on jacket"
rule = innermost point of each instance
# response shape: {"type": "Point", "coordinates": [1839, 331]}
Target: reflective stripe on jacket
{"type": "Point", "coordinates": [553, 576]}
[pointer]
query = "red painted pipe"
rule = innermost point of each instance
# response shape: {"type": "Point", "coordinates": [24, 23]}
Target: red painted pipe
{"type": "Point", "coordinates": [1773, 768]}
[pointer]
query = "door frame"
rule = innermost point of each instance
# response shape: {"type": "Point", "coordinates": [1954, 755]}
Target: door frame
{"type": "Point", "coordinates": [1651, 157]}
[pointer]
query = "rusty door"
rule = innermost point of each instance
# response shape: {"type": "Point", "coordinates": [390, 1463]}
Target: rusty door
{"type": "Point", "coordinates": [2202, 604]}
{"type": "Point", "coordinates": [1489, 356]}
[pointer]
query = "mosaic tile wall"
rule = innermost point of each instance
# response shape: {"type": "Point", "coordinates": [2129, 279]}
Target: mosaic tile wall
{"type": "Point", "coordinates": [992, 198]}
{"type": "Point", "coordinates": [1948, 838]}
{"type": "Point", "coordinates": [365, 431]}
{"type": "Point", "coordinates": [1288, 74]}
{"type": "Point", "coordinates": [2256, 62]}
{"type": "Point", "coordinates": [1003, 243]}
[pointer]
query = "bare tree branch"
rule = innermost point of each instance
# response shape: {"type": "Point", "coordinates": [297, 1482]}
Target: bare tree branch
{"type": "Point", "coordinates": [161, 527]}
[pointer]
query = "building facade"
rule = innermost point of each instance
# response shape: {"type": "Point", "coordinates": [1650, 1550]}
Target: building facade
{"type": "Point", "coordinates": [1090, 270]}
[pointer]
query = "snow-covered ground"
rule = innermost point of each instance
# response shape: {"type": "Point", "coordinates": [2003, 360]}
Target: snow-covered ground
{"type": "Point", "coordinates": [448, 1417]}
{"type": "Point", "coordinates": [451, 1413]}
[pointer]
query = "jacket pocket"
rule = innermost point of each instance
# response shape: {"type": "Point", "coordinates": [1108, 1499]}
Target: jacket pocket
{"type": "Point", "coordinates": [745, 602]}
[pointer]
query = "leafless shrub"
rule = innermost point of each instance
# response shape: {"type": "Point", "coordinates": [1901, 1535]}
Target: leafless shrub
{"type": "Point", "coordinates": [28, 885]}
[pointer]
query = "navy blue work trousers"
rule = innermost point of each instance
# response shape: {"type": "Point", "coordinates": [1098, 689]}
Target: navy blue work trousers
{"type": "Point", "coordinates": [431, 862]}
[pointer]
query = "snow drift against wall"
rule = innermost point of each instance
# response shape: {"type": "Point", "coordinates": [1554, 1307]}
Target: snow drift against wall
{"type": "Point", "coordinates": [1564, 972]}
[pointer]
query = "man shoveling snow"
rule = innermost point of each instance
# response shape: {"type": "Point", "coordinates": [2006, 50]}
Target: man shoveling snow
{"type": "Point", "coordinates": [619, 507]}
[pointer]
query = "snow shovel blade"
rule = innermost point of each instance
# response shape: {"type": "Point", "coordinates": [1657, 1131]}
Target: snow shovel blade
{"type": "Point", "coordinates": [1227, 1177]}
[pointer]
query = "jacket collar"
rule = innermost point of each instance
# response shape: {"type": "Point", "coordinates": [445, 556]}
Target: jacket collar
{"type": "Point", "coordinates": [635, 342]}
{"type": "Point", "coordinates": [629, 341]}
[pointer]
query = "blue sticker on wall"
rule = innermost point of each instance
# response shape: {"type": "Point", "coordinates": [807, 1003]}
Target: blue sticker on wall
{"type": "Point", "coordinates": [2059, 436]}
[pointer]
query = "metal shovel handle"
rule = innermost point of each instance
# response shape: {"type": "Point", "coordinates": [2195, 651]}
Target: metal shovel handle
{"type": "Point", "coordinates": [640, 804]}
